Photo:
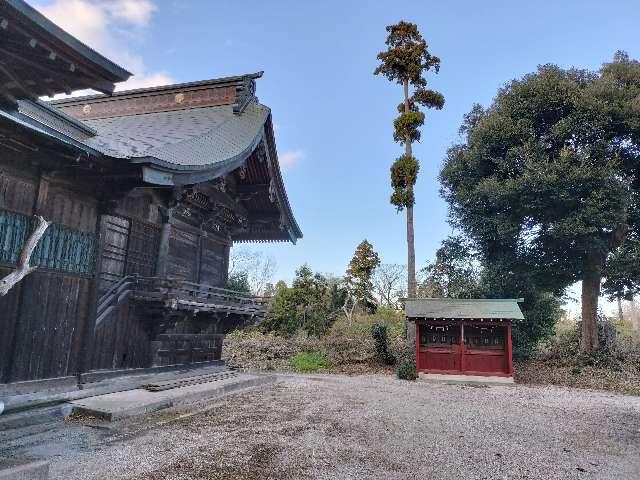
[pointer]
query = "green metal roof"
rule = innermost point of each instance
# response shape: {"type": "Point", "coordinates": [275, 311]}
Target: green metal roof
{"type": "Point", "coordinates": [463, 308]}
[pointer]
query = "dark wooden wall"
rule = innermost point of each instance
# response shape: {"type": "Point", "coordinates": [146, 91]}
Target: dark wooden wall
{"type": "Point", "coordinates": [47, 320]}
{"type": "Point", "coordinates": [44, 319]}
{"type": "Point", "coordinates": [183, 258]}
{"type": "Point", "coordinates": [129, 245]}
{"type": "Point", "coordinates": [214, 263]}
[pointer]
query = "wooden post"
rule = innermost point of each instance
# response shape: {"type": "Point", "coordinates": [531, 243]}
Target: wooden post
{"type": "Point", "coordinates": [461, 346]}
{"type": "Point", "coordinates": [509, 351]}
{"type": "Point", "coordinates": [417, 325]}
{"type": "Point", "coordinates": [163, 249]}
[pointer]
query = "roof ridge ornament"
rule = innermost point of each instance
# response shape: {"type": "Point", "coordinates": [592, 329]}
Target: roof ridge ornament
{"type": "Point", "coordinates": [245, 92]}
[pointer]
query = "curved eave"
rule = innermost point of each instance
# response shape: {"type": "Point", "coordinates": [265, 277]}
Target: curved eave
{"type": "Point", "coordinates": [160, 172]}
{"type": "Point", "coordinates": [292, 225]}
{"type": "Point", "coordinates": [108, 69]}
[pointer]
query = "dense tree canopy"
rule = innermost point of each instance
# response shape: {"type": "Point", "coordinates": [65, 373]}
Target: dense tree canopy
{"type": "Point", "coordinates": [454, 272]}
{"type": "Point", "coordinates": [546, 181]}
{"type": "Point", "coordinates": [312, 304]}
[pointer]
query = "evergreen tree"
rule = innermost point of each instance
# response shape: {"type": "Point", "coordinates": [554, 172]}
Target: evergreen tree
{"type": "Point", "coordinates": [454, 273]}
{"type": "Point", "coordinates": [361, 267]}
{"type": "Point", "coordinates": [405, 61]}
{"type": "Point", "coordinates": [310, 304]}
{"type": "Point", "coordinates": [239, 282]}
{"type": "Point", "coordinates": [547, 183]}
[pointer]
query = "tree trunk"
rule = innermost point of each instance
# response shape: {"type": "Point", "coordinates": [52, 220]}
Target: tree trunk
{"type": "Point", "coordinates": [411, 255]}
{"type": "Point", "coordinates": [23, 268]}
{"type": "Point", "coordinates": [620, 313]}
{"type": "Point", "coordinates": [411, 251]}
{"type": "Point", "coordinates": [590, 292]}
{"type": "Point", "coordinates": [635, 321]}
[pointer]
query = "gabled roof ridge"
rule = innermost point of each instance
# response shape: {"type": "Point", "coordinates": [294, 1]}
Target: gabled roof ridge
{"type": "Point", "coordinates": [44, 106]}
{"type": "Point", "coordinates": [238, 79]}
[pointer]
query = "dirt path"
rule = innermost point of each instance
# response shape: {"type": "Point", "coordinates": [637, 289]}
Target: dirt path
{"type": "Point", "coordinates": [338, 427]}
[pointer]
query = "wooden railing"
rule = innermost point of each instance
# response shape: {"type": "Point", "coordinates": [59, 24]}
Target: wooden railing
{"type": "Point", "coordinates": [170, 294]}
{"type": "Point", "coordinates": [185, 295]}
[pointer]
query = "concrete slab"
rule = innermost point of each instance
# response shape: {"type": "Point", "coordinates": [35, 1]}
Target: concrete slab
{"type": "Point", "coordinates": [115, 406]}
{"type": "Point", "coordinates": [27, 471]}
{"type": "Point", "coordinates": [100, 384]}
{"type": "Point", "coordinates": [101, 375]}
{"type": "Point", "coordinates": [51, 385]}
{"type": "Point", "coordinates": [465, 379]}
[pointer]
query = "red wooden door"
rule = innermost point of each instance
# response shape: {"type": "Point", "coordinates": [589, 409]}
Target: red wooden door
{"type": "Point", "coordinates": [485, 350]}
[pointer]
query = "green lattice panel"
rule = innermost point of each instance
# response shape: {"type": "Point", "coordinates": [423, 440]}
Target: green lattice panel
{"type": "Point", "coordinates": [61, 248]}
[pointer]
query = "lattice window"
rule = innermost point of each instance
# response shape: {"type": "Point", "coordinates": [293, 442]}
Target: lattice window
{"type": "Point", "coordinates": [487, 338]}
{"type": "Point", "coordinates": [62, 248]}
{"type": "Point", "coordinates": [439, 335]}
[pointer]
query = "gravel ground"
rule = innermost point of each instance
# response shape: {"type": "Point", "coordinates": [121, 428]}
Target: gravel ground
{"type": "Point", "coordinates": [373, 427]}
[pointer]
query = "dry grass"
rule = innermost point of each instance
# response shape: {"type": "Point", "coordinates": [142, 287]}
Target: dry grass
{"type": "Point", "coordinates": [615, 368]}
{"type": "Point", "coordinates": [540, 372]}
{"type": "Point", "coordinates": [349, 348]}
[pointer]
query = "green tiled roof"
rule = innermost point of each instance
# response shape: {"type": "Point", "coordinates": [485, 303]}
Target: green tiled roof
{"type": "Point", "coordinates": [182, 139]}
{"type": "Point", "coordinates": [463, 308]}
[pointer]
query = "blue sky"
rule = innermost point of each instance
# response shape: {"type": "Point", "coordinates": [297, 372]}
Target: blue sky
{"type": "Point", "coordinates": [333, 117]}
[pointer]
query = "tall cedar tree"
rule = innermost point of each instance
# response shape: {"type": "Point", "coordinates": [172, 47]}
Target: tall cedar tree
{"type": "Point", "coordinates": [361, 267]}
{"type": "Point", "coordinates": [547, 181]}
{"type": "Point", "coordinates": [405, 61]}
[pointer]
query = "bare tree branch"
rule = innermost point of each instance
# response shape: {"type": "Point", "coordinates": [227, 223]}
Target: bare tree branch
{"type": "Point", "coordinates": [258, 266]}
{"type": "Point", "coordinates": [389, 281]}
{"type": "Point", "coordinates": [23, 269]}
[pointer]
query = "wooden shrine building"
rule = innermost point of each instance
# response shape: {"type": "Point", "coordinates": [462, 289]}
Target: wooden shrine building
{"type": "Point", "coordinates": [463, 336]}
{"type": "Point", "coordinates": [146, 191]}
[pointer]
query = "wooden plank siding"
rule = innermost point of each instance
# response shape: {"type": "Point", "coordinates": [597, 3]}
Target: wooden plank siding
{"type": "Point", "coordinates": [10, 308]}
{"type": "Point", "coordinates": [48, 320]}
{"type": "Point", "coordinates": [122, 341]}
{"type": "Point", "coordinates": [214, 262]}
{"type": "Point", "coordinates": [183, 255]}
{"type": "Point", "coordinates": [45, 317]}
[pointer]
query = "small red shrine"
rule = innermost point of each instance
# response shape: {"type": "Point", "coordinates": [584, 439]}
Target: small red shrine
{"type": "Point", "coordinates": [464, 336]}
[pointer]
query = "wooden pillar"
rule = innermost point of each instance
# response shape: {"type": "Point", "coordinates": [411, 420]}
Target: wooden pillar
{"type": "Point", "coordinates": [412, 328]}
{"type": "Point", "coordinates": [163, 249]}
{"type": "Point", "coordinates": [417, 334]}
{"type": "Point", "coordinates": [461, 346]}
{"type": "Point", "coordinates": [87, 352]}
{"type": "Point", "coordinates": [509, 351]}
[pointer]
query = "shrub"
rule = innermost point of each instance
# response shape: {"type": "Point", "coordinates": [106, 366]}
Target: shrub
{"type": "Point", "coordinates": [564, 347]}
{"type": "Point", "coordinates": [407, 371]}
{"type": "Point", "coordinates": [380, 333]}
{"type": "Point", "coordinates": [312, 304]}
{"type": "Point", "coordinates": [239, 282]}
{"type": "Point", "coordinates": [309, 362]}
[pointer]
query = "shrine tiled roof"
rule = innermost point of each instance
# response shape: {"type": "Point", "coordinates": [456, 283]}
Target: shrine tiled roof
{"type": "Point", "coordinates": [463, 308]}
{"type": "Point", "coordinates": [194, 138]}
{"type": "Point", "coordinates": [180, 134]}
